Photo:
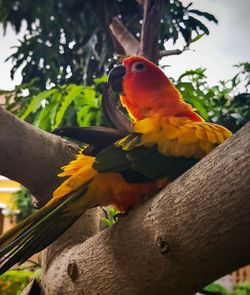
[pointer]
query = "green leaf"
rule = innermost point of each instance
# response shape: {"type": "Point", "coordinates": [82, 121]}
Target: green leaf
{"type": "Point", "coordinates": [42, 120]}
{"type": "Point", "coordinates": [73, 92]}
{"type": "Point", "coordinates": [199, 72]}
{"type": "Point", "coordinates": [106, 221]}
{"type": "Point", "coordinates": [88, 119]}
{"type": "Point", "coordinates": [198, 37]}
{"type": "Point", "coordinates": [52, 115]}
{"type": "Point", "coordinates": [102, 79]}
{"type": "Point", "coordinates": [89, 96]}
{"type": "Point", "coordinates": [196, 24]}
{"type": "Point", "coordinates": [207, 15]}
{"type": "Point", "coordinates": [216, 288]}
{"type": "Point", "coordinates": [36, 102]}
{"type": "Point", "coordinates": [19, 273]}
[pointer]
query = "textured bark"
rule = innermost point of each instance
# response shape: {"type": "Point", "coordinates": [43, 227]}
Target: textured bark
{"type": "Point", "coordinates": [193, 232]}
{"type": "Point", "coordinates": [31, 156]}
{"type": "Point", "coordinates": [128, 42]}
{"type": "Point", "coordinates": [172, 52]}
{"type": "Point", "coordinates": [150, 32]}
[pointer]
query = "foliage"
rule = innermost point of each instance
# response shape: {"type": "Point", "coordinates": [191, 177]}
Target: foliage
{"type": "Point", "coordinates": [23, 203]}
{"type": "Point", "coordinates": [222, 103]}
{"type": "Point", "coordinates": [239, 289]}
{"type": "Point", "coordinates": [71, 104]}
{"type": "Point", "coordinates": [245, 72]}
{"type": "Point", "coordinates": [216, 289]}
{"type": "Point", "coordinates": [14, 281]}
{"type": "Point", "coordinates": [111, 215]}
{"type": "Point", "coordinates": [182, 21]}
{"type": "Point", "coordinates": [242, 289]}
{"type": "Point", "coordinates": [70, 40]}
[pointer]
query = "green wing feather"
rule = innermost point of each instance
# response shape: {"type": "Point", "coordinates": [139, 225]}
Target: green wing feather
{"type": "Point", "coordinates": [138, 163]}
{"type": "Point", "coordinates": [40, 229]}
{"type": "Point", "coordinates": [161, 148]}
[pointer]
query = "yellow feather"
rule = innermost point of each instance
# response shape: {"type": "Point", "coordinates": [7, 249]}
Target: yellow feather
{"type": "Point", "coordinates": [164, 147]}
{"type": "Point", "coordinates": [180, 136]}
{"type": "Point", "coordinates": [177, 149]}
{"type": "Point", "coordinates": [211, 135]}
{"type": "Point", "coordinates": [187, 135]}
{"type": "Point", "coordinates": [222, 133]}
{"type": "Point", "coordinates": [191, 150]}
{"type": "Point", "coordinates": [83, 172]}
{"type": "Point", "coordinates": [206, 146]}
{"type": "Point", "coordinates": [171, 132]}
{"type": "Point", "coordinates": [150, 139]}
{"type": "Point", "coordinates": [80, 161]}
{"type": "Point", "coordinates": [177, 121]}
{"type": "Point", "coordinates": [147, 125]}
{"type": "Point", "coordinates": [200, 132]}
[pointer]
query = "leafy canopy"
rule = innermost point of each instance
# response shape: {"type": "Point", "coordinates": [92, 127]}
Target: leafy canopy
{"type": "Point", "coordinates": [70, 40]}
{"type": "Point", "coordinates": [222, 103]}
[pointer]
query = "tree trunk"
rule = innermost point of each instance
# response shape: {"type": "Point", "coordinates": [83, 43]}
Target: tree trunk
{"type": "Point", "coordinates": [150, 32]}
{"type": "Point", "coordinates": [193, 232]}
{"type": "Point", "coordinates": [31, 156]}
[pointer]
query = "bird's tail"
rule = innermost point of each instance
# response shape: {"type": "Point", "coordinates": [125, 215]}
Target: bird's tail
{"type": "Point", "coordinates": [44, 226]}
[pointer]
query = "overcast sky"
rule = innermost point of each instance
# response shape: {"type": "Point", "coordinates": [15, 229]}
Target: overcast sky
{"type": "Point", "coordinates": [227, 44]}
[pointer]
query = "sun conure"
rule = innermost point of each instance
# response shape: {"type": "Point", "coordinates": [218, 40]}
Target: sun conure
{"type": "Point", "coordinates": [168, 137]}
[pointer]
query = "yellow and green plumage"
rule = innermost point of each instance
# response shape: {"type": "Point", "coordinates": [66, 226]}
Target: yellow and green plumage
{"type": "Point", "coordinates": [168, 138]}
{"type": "Point", "coordinates": [180, 136]}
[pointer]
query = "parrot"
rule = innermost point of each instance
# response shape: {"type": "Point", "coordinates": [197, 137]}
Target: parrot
{"type": "Point", "coordinates": [161, 138]}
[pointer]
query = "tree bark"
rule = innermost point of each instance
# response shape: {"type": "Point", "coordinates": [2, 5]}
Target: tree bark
{"type": "Point", "coordinates": [193, 232]}
{"type": "Point", "coordinates": [150, 32]}
{"type": "Point", "coordinates": [31, 156]}
{"type": "Point", "coordinates": [128, 42]}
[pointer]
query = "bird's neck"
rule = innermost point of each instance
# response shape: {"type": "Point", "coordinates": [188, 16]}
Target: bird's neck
{"type": "Point", "coordinates": [171, 106]}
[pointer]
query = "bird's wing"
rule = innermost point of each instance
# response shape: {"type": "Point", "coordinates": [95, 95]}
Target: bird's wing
{"type": "Point", "coordinates": [160, 149]}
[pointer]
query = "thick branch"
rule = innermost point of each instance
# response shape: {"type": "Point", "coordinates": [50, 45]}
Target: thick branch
{"type": "Point", "coordinates": [127, 41]}
{"type": "Point", "coordinates": [193, 232]}
{"type": "Point", "coordinates": [150, 33]}
{"type": "Point", "coordinates": [172, 52]}
{"type": "Point", "coordinates": [31, 156]}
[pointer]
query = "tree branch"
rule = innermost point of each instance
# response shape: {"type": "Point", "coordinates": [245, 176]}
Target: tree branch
{"type": "Point", "coordinates": [31, 156]}
{"type": "Point", "coordinates": [127, 41]}
{"type": "Point", "coordinates": [193, 232]}
{"type": "Point", "coordinates": [150, 33]}
{"type": "Point", "coordinates": [172, 52]}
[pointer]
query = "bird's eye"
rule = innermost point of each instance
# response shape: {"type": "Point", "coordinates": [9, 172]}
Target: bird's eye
{"type": "Point", "coordinates": [138, 67]}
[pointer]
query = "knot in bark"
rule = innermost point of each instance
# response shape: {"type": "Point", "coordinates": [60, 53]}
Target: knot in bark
{"type": "Point", "coordinates": [72, 271]}
{"type": "Point", "coordinates": [162, 244]}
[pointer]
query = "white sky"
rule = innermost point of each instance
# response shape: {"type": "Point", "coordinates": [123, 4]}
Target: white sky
{"type": "Point", "coordinates": [227, 44]}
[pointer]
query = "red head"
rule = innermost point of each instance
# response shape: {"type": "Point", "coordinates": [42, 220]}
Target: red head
{"type": "Point", "coordinates": [145, 90]}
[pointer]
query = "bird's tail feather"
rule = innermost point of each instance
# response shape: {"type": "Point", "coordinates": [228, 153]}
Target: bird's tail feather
{"type": "Point", "coordinates": [41, 228]}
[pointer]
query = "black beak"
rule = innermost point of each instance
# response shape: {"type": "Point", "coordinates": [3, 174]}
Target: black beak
{"type": "Point", "coordinates": [115, 78]}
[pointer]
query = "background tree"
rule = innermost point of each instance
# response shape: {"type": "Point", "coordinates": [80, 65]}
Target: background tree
{"type": "Point", "coordinates": [55, 51]}
{"type": "Point", "coordinates": [50, 108]}
{"type": "Point", "coordinates": [71, 41]}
